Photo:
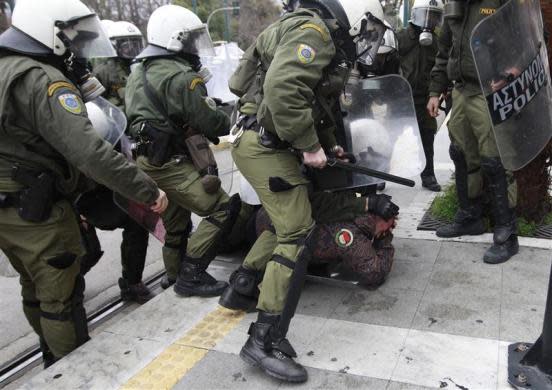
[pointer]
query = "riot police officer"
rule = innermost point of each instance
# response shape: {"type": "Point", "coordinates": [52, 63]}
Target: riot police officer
{"type": "Point", "coordinates": [300, 65]}
{"type": "Point", "coordinates": [171, 116]}
{"type": "Point", "coordinates": [47, 145]}
{"type": "Point", "coordinates": [417, 51]}
{"type": "Point", "coordinates": [473, 146]}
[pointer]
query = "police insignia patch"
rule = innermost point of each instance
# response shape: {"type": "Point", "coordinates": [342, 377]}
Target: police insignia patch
{"type": "Point", "coordinates": [71, 102]}
{"type": "Point", "coordinates": [344, 238]}
{"type": "Point", "coordinates": [306, 54]}
{"type": "Point", "coordinates": [195, 82]}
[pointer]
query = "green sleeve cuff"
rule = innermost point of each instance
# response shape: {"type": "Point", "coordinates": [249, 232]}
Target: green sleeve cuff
{"type": "Point", "coordinates": [307, 142]}
{"type": "Point", "coordinates": [434, 94]}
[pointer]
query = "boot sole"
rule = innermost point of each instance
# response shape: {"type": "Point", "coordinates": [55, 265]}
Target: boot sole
{"type": "Point", "coordinates": [183, 292]}
{"type": "Point", "coordinates": [254, 363]}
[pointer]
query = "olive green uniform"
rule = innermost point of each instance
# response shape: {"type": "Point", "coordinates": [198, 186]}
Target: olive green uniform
{"type": "Point", "coordinates": [184, 96]}
{"type": "Point", "coordinates": [45, 128]}
{"type": "Point", "coordinates": [416, 64]}
{"type": "Point", "coordinates": [470, 127]}
{"type": "Point", "coordinates": [294, 55]}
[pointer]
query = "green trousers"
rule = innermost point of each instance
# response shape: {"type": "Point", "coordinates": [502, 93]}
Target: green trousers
{"type": "Point", "coordinates": [181, 181]}
{"type": "Point", "coordinates": [290, 212]}
{"type": "Point", "coordinates": [470, 129]}
{"type": "Point", "coordinates": [45, 256]}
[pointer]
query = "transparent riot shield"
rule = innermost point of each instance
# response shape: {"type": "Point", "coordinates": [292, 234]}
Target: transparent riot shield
{"type": "Point", "coordinates": [142, 215]}
{"type": "Point", "coordinates": [380, 129]}
{"type": "Point", "coordinates": [108, 120]}
{"type": "Point", "coordinates": [222, 67]}
{"type": "Point", "coordinates": [512, 63]}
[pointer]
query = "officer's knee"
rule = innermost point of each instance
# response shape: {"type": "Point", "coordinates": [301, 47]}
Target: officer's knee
{"type": "Point", "coordinates": [492, 166]}
{"type": "Point", "coordinates": [456, 154]}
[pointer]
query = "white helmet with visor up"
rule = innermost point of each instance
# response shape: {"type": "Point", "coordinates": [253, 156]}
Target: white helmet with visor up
{"type": "Point", "coordinates": [177, 30]}
{"type": "Point", "coordinates": [57, 27]}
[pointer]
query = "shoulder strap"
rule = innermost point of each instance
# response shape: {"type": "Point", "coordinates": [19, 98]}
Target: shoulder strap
{"type": "Point", "coordinates": [154, 99]}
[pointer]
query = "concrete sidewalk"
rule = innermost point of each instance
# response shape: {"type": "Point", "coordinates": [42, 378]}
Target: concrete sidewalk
{"type": "Point", "coordinates": [442, 319]}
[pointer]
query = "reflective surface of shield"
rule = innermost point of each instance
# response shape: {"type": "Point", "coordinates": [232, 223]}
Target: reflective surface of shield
{"type": "Point", "coordinates": [108, 120]}
{"type": "Point", "coordinates": [381, 130]}
{"type": "Point", "coordinates": [512, 63]}
{"type": "Point", "coordinates": [142, 215]}
{"type": "Point", "coordinates": [222, 67]}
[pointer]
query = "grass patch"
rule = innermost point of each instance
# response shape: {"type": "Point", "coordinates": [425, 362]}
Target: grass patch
{"type": "Point", "coordinates": [445, 205]}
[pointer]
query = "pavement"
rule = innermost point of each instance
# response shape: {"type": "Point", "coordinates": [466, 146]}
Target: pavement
{"type": "Point", "coordinates": [443, 319]}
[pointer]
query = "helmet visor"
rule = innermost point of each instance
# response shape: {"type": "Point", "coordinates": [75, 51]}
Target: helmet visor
{"type": "Point", "coordinates": [369, 40]}
{"type": "Point", "coordinates": [87, 38]}
{"type": "Point", "coordinates": [198, 42]}
{"type": "Point", "coordinates": [427, 18]}
{"type": "Point", "coordinates": [129, 47]}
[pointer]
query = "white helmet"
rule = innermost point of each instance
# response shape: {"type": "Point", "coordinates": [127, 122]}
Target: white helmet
{"type": "Point", "coordinates": [363, 19]}
{"type": "Point", "coordinates": [389, 42]}
{"type": "Point", "coordinates": [177, 30]}
{"type": "Point", "coordinates": [56, 27]}
{"type": "Point", "coordinates": [125, 37]}
{"type": "Point", "coordinates": [427, 14]}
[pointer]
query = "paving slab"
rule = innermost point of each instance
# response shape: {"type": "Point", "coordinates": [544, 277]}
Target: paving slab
{"type": "Point", "coordinates": [431, 359]}
{"type": "Point", "coordinates": [385, 306]}
{"type": "Point", "coordinates": [425, 251]}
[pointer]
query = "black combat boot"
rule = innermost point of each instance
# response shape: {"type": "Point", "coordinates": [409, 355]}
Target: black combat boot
{"type": "Point", "coordinates": [505, 242]}
{"type": "Point", "coordinates": [429, 180]}
{"type": "Point", "coordinates": [468, 221]}
{"type": "Point", "coordinates": [243, 291]}
{"type": "Point", "coordinates": [268, 349]}
{"type": "Point", "coordinates": [138, 292]}
{"type": "Point", "coordinates": [193, 280]}
{"type": "Point", "coordinates": [48, 357]}
{"type": "Point", "coordinates": [167, 282]}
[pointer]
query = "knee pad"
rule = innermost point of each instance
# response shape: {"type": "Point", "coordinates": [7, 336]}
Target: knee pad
{"type": "Point", "coordinates": [457, 154]}
{"type": "Point", "coordinates": [245, 281]}
{"type": "Point", "coordinates": [492, 166]}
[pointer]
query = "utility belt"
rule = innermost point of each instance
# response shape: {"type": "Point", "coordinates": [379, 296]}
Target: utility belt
{"type": "Point", "coordinates": [161, 145]}
{"type": "Point", "coordinates": [34, 203]}
{"type": "Point", "coordinates": [266, 138]}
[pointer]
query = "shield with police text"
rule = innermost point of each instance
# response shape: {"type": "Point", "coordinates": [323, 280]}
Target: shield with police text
{"type": "Point", "coordinates": [380, 129]}
{"type": "Point", "coordinates": [512, 62]}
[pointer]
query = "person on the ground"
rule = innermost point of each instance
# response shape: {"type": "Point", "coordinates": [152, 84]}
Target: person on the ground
{"type": "Point", "coordinates": [97, 206]}
{"type": "Point", "coordinates": [473, 146]}
{"type": "Point", "coordinates": [417, 51]}
{"type": "Point", "coordinates": [47, 146]}
{"type": "Point", "coordinates": [346, 236]}
{"type": "Point", "coordinates": [301, 64]}
{"type": "Point", "coordinates": [170, 118]}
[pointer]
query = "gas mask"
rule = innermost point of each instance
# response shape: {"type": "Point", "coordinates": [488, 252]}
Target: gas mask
{"type": "Point", "coordinates": [427, 18]}
{"type": "Point", "coordinates": [89, 86]}
{"type": "Point", "coordinates": [205, 74]}
{"type": "Point", "coordinates": [426, 38]}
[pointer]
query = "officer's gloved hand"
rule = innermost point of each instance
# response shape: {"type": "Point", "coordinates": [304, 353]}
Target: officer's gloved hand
{"type": "Point", "coordinates": [382, 206]}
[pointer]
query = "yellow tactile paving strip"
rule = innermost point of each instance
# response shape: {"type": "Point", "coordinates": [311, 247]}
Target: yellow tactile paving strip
{"type": "Point", "coordinates": [167, 369]}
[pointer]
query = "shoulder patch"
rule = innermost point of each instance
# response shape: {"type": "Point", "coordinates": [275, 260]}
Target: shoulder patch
{"type": "Point", "coordinates": [71, 102]}
{"type": "Point", "coordinates": [316, 28]}
{"type": "Point", "coordinates": [306, 54]}
{"type": "Point", "coordinates": [195, 82]}
{"type": "Point", "coordinates": [344, 238]}
{"type": "Point", "coordinates": [59, 85]}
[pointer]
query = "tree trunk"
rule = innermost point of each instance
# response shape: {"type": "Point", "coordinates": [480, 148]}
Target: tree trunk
{"type": "Point", "coordinates": [534, 180]}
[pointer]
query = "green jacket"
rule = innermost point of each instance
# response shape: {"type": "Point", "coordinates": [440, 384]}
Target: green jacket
{"type": "Point", "coordinates": [113, 74]}
{"type": "Point", "coordinates": [416, 62]}
{"type": "Point", "coordinates": [454, 60]}
{"type": "Point", "coordinates": [301, 83]}
{"type": "Point", "coordinates": [183, 93]}
{"type": "Point", "coordinates": [44, 126]}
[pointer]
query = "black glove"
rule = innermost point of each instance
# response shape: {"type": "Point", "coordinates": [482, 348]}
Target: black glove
{"type": "Point", "coordinates": [382, 206]}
